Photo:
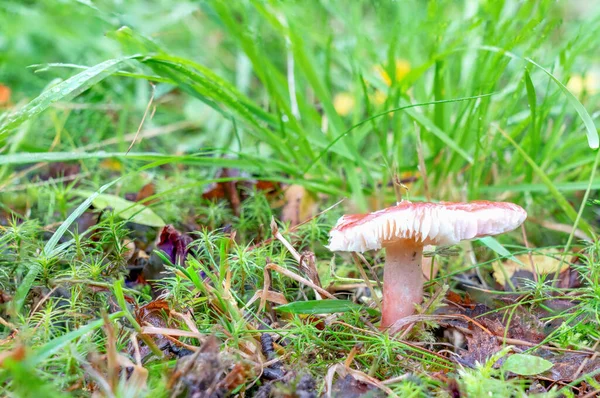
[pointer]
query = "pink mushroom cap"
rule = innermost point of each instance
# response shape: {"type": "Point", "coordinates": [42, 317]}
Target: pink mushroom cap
{"type": "Point", "coordinates": [443, 223]}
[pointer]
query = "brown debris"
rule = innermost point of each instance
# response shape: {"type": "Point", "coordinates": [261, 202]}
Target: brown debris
{"type": "Point", "coordinates": [568, 366]}
{"type": "Point", "coordinates": [226, 189]}
{"type": "Point", "coordinates": [480, 347]}
{"type": "Point", "coordinates": [17, 354]}
{"type": "Point", "coordinates": [234, 190]}
{"type": "Point", "coordinates": [145, 192]}
{"type": "Point", "coordinates": [291, 386]}
{"type": "Point", "coordinates": [300, 205]}
{"type": "Point", "coordinates": [174, 244]}
{"type": "Point", "coordinates": [208, 373]}
{"type": "Point", "coordinates": [4, 95]}
{"type": "Point", "coordinates": [60, 170]}
{"type": "Point", "coordinates": [154, 314]}
{"type": "Point", "coordinates": [349, 387]}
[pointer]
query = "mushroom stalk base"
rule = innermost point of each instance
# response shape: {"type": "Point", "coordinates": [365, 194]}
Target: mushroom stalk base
{"type": "Point", "coordinates": [402, 281]}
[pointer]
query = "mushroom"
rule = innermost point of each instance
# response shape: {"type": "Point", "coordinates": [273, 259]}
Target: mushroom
{"type": "Point", "coordinates": [404, 229]}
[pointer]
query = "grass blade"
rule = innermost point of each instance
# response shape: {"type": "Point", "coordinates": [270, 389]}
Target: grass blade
{"type": "Point", "coordinates": [66, 90]}
{"type": "Point", "coordinates": [312, 307]}
{"type": "Point", "coordinates": [590, 127]}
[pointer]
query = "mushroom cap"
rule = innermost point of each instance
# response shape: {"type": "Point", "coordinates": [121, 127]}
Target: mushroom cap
{"type": "Point", "coordinates": [443, 223]}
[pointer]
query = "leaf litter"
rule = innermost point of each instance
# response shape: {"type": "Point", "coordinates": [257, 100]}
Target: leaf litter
{"type": "Point", "coordinates": [477, 332]}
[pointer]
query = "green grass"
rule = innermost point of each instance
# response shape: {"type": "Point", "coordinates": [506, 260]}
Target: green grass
{"type": "Point", "coordinates": [491, 87]}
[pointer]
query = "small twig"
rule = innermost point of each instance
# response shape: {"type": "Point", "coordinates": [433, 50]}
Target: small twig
{"type": "Point", "coordinates": [358, 375]}
{"type": "Point", "coordinates": [371, 270]}
{"type": "Point", "coordinates": [351, 355]}
{"type": "Point", "coordinates": [303, 266]}
{"type": "Point", "coordinates": [586, 360]}
{"type": "Point", "coordinates": [300, 279]}
{"type": "Point", "coordinates": [422, 167]}
{"type": "Point", "coordinates": [367, 281]}
{"type": "Point", "coordinates": [143, 118]}
{"type": "Point", "coordinates": [594, 393]}
{"type": "Point", "coordinates": [181, 343]}
{"type": "Point", "coordinates": [170, 332]}
{"type": "Point", "coordinates": [9, 325]}
{"type": "Point", "coordinates": [396, 379]}
{"type": "Point", "coordinates": [136, 348]}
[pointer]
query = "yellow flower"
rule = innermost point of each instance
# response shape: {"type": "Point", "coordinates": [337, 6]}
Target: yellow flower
{"type": "Point", "coordinates": [590, 83]}
{"type": "Point", "coordinates": [344, 103]}
{"type": "Point", "coordinates": [402, 69]}
{"type": "Point", "coordinates": [379, 97]}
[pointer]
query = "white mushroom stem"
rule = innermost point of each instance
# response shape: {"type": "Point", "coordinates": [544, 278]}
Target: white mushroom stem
{"type": "Point", "coordinates": [402, 280]}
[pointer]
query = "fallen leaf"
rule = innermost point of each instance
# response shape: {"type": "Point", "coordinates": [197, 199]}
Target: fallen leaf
{"type": "Point", "coordinates": [236, 377]}
{"type": "Point", "coordinates": [545, 264]}
{"type": "Point", "coordinates": [300, 205]}
{"type": "Point", "coordinates": [349, 387]}
{"type": "Point", "coordinates": [145, 192]}
{"type": "Point", "coordinates": [526, 365]}
{"type": "Point", "coordinates": [4, 94]}
{"type": "Point", "coordinates": [153, 313]}
{"type": "Point", "coordinates": [567, 364]}
{"type": "Point", "coordinates": [134, 212]}
{"type": "Point", "coordinates": [174, 244]}
{"type": "Point", "coordinates": [236, 189]}
{"type": "Point", "coordinates": [485, 339]}
{"type": "Point", "coordinates": [268, 187]}
{"type": "Point", "coordinates": [480, 347]}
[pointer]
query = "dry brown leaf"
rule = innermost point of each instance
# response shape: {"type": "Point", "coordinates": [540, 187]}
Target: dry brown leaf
{"type": "Point", "coordinates": [111, 165]}
{"type": "Point", "coordinates": [17, 354]}
{"type": "Point", "coordinates": [300, 205]}
{"type": "Point", "coordinates": [545, 264]}
{"type": "Point", "coordinates": [271, 296]}
{"type": "Point", "coordinates": [145, 192]}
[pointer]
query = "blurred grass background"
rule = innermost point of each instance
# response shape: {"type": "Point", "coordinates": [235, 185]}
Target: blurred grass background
{"type": "Point", "coordinates": [306, 72]}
